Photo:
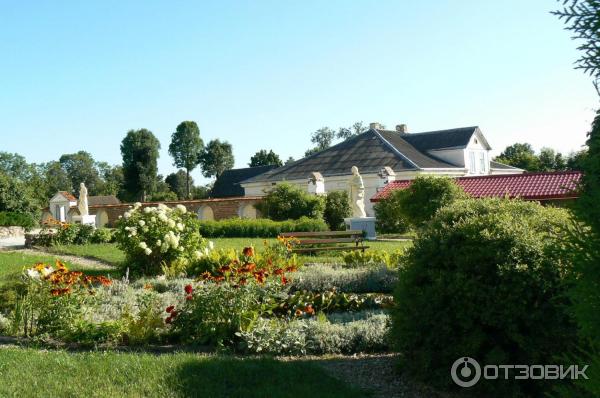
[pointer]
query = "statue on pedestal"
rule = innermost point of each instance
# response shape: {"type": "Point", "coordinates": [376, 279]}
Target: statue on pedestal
{"type": "Point", "coordinates": [357, 194]}
{"type": "Point", "coordinates": [82, 203]}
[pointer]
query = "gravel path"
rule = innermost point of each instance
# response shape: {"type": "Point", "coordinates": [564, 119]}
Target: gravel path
{"type": "Point", "coordinates": [87, 262]}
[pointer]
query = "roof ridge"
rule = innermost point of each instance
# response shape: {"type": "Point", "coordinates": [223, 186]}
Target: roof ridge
{"type": "Point", "coordinates": [394, 149]}
{"type": "Point", "coordinates": [440, 131]}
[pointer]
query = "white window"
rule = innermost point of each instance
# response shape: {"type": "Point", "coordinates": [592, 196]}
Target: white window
{"type": "Point", "coordinates": [482, 162]}
{"type": "Point", "coordinates": [472, 162]}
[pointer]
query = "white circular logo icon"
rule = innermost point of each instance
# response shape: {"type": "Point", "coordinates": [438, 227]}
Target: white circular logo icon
{"type": "Point", "coordinates": [465, 372]}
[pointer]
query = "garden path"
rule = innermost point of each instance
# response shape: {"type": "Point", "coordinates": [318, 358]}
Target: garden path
{"type": "Point", "coordinates": [89, 263]}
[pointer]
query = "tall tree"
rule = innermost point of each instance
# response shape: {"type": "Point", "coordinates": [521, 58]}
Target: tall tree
{"type": "Point", "coordinates": [15, 165]}
{"type": "Point", "coordinates": [550, 160]}
{"type": "Point", "coordinates": [179, 182]}
{"type": "Point", "coordinates": [140, 154]}
{"type": "Point", "coordinates": [264, 158]}
{"type": "Point", "coordinates": [185, 148]}
{"type": "Point", "coordinates": [520, 155]}
{"type": "Point", "coordinates": [81, 167]}
{"type": "Point", "coordinates": [348, 132]}
{"type": "Point", "coordinates": [56, 178]}
{"type": "Point", "coordinates": [112, 179]}
{"type": "Point", "coordinates": [216, 157]}
{"type": "Point", "coordinates": [576, 159]}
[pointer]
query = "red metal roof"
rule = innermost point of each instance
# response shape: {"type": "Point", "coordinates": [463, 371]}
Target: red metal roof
{"type": "Point", "coordinates": [529, 186]}
{"type": "Point", "coordinates": [68, 195]}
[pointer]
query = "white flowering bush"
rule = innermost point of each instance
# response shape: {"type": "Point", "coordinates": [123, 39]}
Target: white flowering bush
{"type": "Point", "coordinates": [158, 238]}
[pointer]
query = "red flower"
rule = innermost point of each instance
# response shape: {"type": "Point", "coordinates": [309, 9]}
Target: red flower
{"type": "Point", "coordinates": [284, 280]}
{"type": "Point", "coordinates": [170, 309]}
{"type": "Point", "coordinates": [55, 292]}
{"type": "Point", "coordinates": [248, 251]}
{"type": "Point", "coordinates": [190, 297]}
{"type": "Point", "coordinates": [188, 289]}
{"type": "Point", "coordinates": [242, 281]}
{"type": "Point", "coordinates": [278, 271]}
{"type": "Point", "coordinates": [224, 269]}
{"type": "Point", "coordinates": [169, 320]}
{"type": "Point", "coordinates": [298, 312]}
{"type": "Point", "coordinates": [248, 267]}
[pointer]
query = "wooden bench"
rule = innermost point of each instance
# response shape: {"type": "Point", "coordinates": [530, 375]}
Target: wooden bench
{"type": "Point", "coordinates": [310, 242]}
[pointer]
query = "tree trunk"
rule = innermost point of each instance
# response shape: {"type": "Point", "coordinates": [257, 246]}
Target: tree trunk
{"type": "Point", "coordinates": [187, 183]}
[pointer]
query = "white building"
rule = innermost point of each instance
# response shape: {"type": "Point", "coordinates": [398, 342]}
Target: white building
{"type": "Point", "coordinates": [383, 156]}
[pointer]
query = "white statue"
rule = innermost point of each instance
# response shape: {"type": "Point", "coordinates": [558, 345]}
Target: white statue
{"type": "Point", "coordinates": [357, 194]}
{"type": "Point", "coordinates": [82, 203]}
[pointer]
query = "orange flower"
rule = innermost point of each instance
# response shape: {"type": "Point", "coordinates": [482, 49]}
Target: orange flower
{"type": "Point", "coordinates": [205, 275]}
{"type": "Point", "coordinates": [278, 271]}
{"type": "Point", "coordinates": [291, 269]}
{"type": "Point", "coordinates": [248, 251]}
{"type": "Point", "coordinates": [55, 292]}
{"type": "Point", "coordinates": [248, 267]}
{"type": "Point", "coordinates": [148, 286]}
{"type": "Point", "coordinates": [260, 276]}
{"type": "Point", "coordinates": [284, 280]}
{"type": "Point", "coordinates": [309, 309]}
{"type": "Point", "coordinates": [224, 269]}
{"type": "Point", "coordinates": [298, 312]}
{"type": "Point", "coordinates": [242, 281]}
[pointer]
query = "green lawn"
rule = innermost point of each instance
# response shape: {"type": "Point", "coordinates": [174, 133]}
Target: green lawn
{"type": "Point", "coordinates": [33, 373]}
{"type": "Point", "coordinates": [110, 254]}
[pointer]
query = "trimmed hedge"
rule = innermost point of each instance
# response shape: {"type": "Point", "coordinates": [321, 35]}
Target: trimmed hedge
{"type": "Point", "coordinates": [12, 219]}
{"type": "Point", "coordinates": [259, 228]}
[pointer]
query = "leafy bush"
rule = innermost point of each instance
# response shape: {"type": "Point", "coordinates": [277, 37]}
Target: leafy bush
{"type": "Point", "coordinates": [337, 207]}
{"type": "Point", "coordinates": [160, 237]}
{"type": "Point", "coordinates": [72, 234]}
{"type": "Point", "coordinates": [389, 215]}
{"type": "Point", "coordinates": [102, 235]}
{"type": "Point", "coordinates": [320, 278]}
{"type": "Point", "coordinates": [358, 258]}
{"type": "Point", "coordinates": [485, 278]}
{"type": "Point", "coordinates": [10, 219]}
{"type": "Point", "coordinates": [214, 312]}
{"type": "Point", "coordinates": [416, 204]}
{"type": "Point", "coordinates": [259, 228]}
{"type": "Point", "coordinates": [288, 202]}
{"type": "Point", "coordinates": [316, 336]}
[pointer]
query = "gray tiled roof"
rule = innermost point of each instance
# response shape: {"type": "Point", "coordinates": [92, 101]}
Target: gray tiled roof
{"type": "Point", "coordinates": [101, 200]}
{"type": "Point", "coordinates": [228, 183]}
{"type": "Point", "coordinates": [441, 139]}
{"type": "Point", "coordinates": [369, 151]}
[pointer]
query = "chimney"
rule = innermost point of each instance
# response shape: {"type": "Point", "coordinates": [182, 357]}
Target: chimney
{"type": "Point", "coordinates": [374, 125]}
{"type": "Point", "coordinates": [401, 128]}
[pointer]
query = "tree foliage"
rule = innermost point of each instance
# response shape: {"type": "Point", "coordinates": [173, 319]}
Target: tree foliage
{"type": "Point", "coordinates": [140, 154]}
{"type": "Point", "coordinates": [81, 167]}
{"type": "Point", "coordinates": [337, 207]}
{"type": "Point", "coordinates": [178, 183]}
{"type": "Point", "coordinates": [216, 157]}
{"type": "Point", "coordinates": [264, 158]}
{"type": "Point", "coordinates": [185, 148]}
{"type": "Point", "coordinates": [390, 218]}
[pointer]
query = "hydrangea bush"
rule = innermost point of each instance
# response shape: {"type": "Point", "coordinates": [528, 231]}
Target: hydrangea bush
{"type": "Point", "coordinates": [158, 239]}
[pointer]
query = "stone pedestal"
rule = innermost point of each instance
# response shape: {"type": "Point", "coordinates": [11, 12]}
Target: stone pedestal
{"type": "Point", "coordinates": [366, 224]}
{"type": "Point", "coordinates": [85, 220]}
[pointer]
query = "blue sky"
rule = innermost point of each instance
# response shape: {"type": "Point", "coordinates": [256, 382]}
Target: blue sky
{"type": "Point", "coordinates": [265, 74]}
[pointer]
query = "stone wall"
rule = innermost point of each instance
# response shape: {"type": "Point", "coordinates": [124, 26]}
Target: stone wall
{"type": "Point", "coordinates": [11, 232]}
{"type": "Point", "coordinates": [219, 209]}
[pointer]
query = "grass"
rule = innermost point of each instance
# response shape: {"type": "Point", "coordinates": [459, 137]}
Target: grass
{"type": "Point", "coordinates": [32, 373]}
{"type": "Point", "coordinates": [111, 254]}
{"type": "Point", "coordinates": [107, 252]}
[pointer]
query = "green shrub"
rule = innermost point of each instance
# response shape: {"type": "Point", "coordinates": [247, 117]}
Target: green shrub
{"type": "Point", "coordinates": [12, 219]}
{"type": "Point", "coordinates": [18, 197]}
{"type": "Point", "coordinates": [102, 235]}
{"type": "Point", "coordinates": [215, 312]}
{"type": "Point", "coordinates": [157, 238]}
{"type": "Point", "coordinates": [288, 202]}
{"type": "Point", "coordinates": [389, 216]}
{"type": "Point", "coordinates": [259, 228]}
{"type": "Point", "coordinates": [484, 279]}
{"type": "Point", "coordinates": [337, 207]}
{"type": "Point", "coordinates": [320, 278]}
{"type": "Point", "coordinates": [65, 234]}
{"type": "Point", "coordinates": [358, 258]}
